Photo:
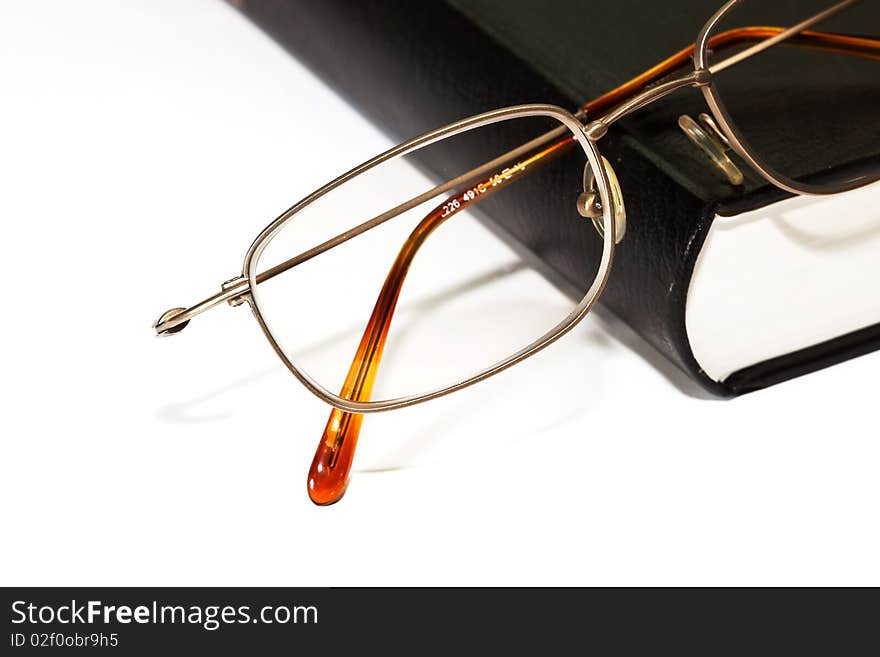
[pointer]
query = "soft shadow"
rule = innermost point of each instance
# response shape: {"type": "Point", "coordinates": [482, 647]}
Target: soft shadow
{"type": "Point", "coordinates": [624, 334]}
{"type": "Point", "coordinates": [423, 440]}
{"type": "Point", "coordinates": [832, 234]}
{"type": "Point", "coordinates": [824, 241]}
{"type": "Point", "coordinates": [186, 412]}
{"type": "Point", "coordinates": [562, 401]}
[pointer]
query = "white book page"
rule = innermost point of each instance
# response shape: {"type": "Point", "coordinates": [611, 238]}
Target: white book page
{"type": "Point", "coordinates": [784, 277]}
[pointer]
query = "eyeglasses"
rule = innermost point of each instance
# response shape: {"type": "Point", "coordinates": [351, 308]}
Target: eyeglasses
{"type": "Point", "coordinates": [311, 284]}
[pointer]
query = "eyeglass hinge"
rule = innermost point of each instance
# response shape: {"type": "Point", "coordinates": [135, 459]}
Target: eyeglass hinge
{"type": "Point", "coordinates": [232, 284]}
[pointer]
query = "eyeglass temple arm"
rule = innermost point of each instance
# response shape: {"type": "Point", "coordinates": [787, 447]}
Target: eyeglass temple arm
{"type": "Point", "coordinates": [331, 466]}
{"type": "Point", "coordinates": [835, 43]}
{"type": "Point", "coordinates": [234, 291]}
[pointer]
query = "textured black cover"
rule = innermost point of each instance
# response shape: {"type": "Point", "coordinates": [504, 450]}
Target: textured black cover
{"type": "Point", "coordinates": [412, 66]}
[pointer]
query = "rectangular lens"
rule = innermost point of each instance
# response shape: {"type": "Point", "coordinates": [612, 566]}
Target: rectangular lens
{"type": "Point", "coordinates": [433, 294]}
{"type": "Point", "coordinates": [808, 107]}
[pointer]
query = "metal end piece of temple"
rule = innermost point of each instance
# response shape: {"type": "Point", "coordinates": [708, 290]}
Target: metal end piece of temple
{"type": "Point", "coordinates": [165, 321]}
{"type": "Point", "coordinates": [234, 292]}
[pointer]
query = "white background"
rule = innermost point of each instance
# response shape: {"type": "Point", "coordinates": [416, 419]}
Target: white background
{"type": "Point", "coordinates": [144, 144]}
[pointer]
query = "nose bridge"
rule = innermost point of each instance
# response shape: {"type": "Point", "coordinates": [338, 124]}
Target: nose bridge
{"type": "Point", "coordinates": [597, 128]}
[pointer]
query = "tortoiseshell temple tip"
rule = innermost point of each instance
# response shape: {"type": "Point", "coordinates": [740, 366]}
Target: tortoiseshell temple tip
{"type": "Point", "coordinates": [331, 467]}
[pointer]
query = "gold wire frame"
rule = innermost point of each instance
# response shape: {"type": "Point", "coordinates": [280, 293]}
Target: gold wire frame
{"type": "Point", "coordinates": [568, 121]}
{"type": "Point", "coordinates": [601, 201]}
{"type": "Point", "coordinates": [587, 129]}
{"type": "Point", "coordinates": [734, 137]}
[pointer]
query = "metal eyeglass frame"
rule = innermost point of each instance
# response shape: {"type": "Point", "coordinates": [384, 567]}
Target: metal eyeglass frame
{"type": "Point", "coordinates": [239, 289]}
{"type": "Point", "coordinates": [602, 201]}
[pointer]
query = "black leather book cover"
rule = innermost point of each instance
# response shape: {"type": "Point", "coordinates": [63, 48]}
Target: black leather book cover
{"type": "Point", "coordinates": [413, 66]}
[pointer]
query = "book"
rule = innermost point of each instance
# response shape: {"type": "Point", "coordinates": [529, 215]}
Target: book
{"type": "Point", "coordinates": [738, 286]}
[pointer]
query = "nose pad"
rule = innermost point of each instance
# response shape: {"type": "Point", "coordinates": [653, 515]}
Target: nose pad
{"type": "Point", "coordinates": [713, 143]}
{"type": "Point", "coordinates": [589, 202]}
